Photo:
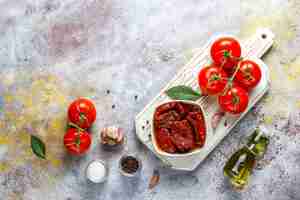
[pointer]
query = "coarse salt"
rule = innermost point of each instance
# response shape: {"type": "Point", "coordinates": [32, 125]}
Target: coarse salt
{"type": "Point", "coordinates": [96, 171]}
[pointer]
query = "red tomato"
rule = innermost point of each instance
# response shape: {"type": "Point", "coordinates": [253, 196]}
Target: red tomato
{"type": "Point", "coordinates": [249, 74]}
{"type": "Point", "coordinates": [82, 112]}
{"type": "Point", "coordinates": [76, 141]}
{"type": "Point", "coordinates": [234, 100]}
{"type": "Point", "coordinates": [226, 52]}
{"type": "Point", "coordinates": [212, 80]}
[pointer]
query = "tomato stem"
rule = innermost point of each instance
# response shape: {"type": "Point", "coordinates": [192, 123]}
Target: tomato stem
{"type": "Point", "coordinates": [214, 77]}
{"type": "Point", "coordinates": [247, 74]}
{"type": "Point", "coordinates": [230, 80]}
{"type": "Point", "coordinates": [77, 140]}
{"type": "Point", "coordinates": [75, 126]}
{"type": "Point", "coordinates": [235, 99]}
{"type": "Point", "coordinates": [223, 63]}
{"type": "Point", "coordinates": [227, 54]}
{"type": "Point", "coordinates": [235, 71]}
{"type": "Point", "coordinates": [82, 117]}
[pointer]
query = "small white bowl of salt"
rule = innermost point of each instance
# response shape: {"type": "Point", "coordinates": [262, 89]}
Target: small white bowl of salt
{"type": "Point", "coordinates": [96, 171]}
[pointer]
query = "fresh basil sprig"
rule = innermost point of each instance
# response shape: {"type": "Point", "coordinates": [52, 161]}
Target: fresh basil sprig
{"type": "Point", "coordinates": [182, 92]}
{"type": "Point", "coordinates": [38, 147]}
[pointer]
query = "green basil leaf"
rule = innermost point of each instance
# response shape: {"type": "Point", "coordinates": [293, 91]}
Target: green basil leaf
{"type": "Point", "coordinates": [183, 92]}
{"type": "Point", "coordinates": [38, 147]}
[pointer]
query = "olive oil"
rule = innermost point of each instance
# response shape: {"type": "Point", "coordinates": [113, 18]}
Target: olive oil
{"type": "Point", "coordinates": [257, 143]}
{"type": "Point", "coordinates": [240, 165]}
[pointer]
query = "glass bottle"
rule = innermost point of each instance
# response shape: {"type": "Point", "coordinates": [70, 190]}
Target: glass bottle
{"type": "Point", "coordinates": [240, 165]}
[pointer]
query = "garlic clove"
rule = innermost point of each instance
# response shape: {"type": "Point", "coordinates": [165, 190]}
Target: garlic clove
{"type": "Point", "coordinates": [112, 135]}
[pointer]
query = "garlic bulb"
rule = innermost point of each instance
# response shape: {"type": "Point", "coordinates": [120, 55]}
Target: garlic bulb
{"type": "Point", "coordinates": [112, 136]}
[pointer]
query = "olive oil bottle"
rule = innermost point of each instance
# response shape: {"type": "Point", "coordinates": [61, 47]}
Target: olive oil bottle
{"type": "Point", "coordinates": [240, 165]}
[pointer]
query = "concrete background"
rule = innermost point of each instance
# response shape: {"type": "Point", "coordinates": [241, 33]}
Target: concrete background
{"type": "Point", "coordinates": [120, 54]}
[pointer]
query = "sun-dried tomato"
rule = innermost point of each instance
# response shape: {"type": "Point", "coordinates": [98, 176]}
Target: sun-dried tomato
{"type": "Point", "coordinates": [179, 127]}
{"type": "Point", "coordinates": [164, 140]}
{"type": "Point", "coordinates": [166, 120]}
{"type": "Point", "coordinates": [182, 135]}
{"type": "Point", "coordinates": [197, 122]}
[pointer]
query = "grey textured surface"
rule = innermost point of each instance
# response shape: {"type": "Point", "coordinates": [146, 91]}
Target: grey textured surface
{"type": "Point", "coordinates": [54, 51]}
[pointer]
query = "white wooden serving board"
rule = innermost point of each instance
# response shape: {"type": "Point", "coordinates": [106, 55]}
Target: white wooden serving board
{"type": "Point", "coordinates": [254, 48]}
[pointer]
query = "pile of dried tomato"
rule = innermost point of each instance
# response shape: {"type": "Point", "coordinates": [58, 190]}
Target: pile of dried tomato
{"type": "Point", "coordinates": [179, 127]}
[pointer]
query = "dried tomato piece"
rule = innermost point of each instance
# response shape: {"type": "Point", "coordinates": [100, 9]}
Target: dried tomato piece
{"type": "Point", "coordinates": [183, 144]}
{"type": "Point", "coordinates": [187, 108]}
{"type": "Point", "coordinates": [164, 140]}
{"type": "Point", "coordinates": [166, 120]}
{"type": "Point", "coordinates": [180, 109]}
{"type": "Point", "coordinates": [182, 135]}
{"type": "Point", "coordinates": [196, 109]}
{"type": "Point", "coordinates": [164, 108]}
{"type": "Point", "coordinates": [197, 122]}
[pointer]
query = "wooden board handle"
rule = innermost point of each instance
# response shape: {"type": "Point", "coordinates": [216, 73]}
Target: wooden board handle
{"type": "Point", "coordinates": [260, 43]}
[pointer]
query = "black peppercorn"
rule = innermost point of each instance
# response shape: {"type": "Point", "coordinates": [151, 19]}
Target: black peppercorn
{"type": "Point", "coordinates": [130, 165]}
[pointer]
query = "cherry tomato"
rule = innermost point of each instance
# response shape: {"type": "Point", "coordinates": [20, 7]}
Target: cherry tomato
{"type": "Point", "coordinates": [226, 52]}
{"type": "Point", "coordinates": [77, 141]}
{"type": "Point", "coordinates": [248, 75]}
{"type": "Point", "coordinates": [82, 112]}
{"type": "Point", "coordinates": [234, 100]}
{"type": "Point", "coordinates": [212, 80]}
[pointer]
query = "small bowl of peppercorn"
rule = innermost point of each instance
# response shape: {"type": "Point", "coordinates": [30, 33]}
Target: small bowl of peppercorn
{"type": "Point", "coordinates": [130, 165]}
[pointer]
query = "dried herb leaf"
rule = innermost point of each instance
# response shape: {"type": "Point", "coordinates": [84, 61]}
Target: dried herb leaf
{"type": "Point", "coordinates": [154, 179]}
{"type": "Point", "coordinates": [183, 92]}
{"type": "Point", "coordinates": [38, 147]}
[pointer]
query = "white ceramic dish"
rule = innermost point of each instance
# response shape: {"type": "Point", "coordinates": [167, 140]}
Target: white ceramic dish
{"type": "Point", "coordinates": [208, 130]}
{"type": "Point", "coordinates": [254, 48]}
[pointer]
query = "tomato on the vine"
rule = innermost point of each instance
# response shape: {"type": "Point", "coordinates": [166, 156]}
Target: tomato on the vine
{"type": "Point", "coordinates": [248, 75]}
{"type": "Point", "coordinates": [234, 100]}
{"type": "Point", "coordinates": [82, 112]}
{"type": "Point", "coordinates": [226, 52]}
{"type": "Point", "coordinates": [212, 80]}
{"type": "Point", "coordinates": [77, 141]}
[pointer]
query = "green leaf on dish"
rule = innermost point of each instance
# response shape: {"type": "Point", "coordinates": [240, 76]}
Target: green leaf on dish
{"type": "Point", "coordinates": [38, 147]}
{"type": "Point", "coordinates": [182, 92]}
